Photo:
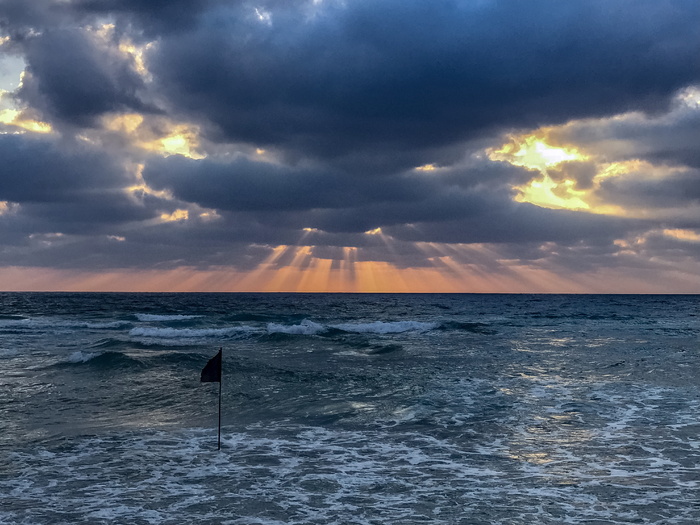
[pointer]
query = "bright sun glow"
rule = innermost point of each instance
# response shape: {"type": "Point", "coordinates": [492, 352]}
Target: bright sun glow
{"type": "Point", "coordinates": [163, 137]}
{"type": "Point", "coordinates": [541, 192]}
{"type": "Point", "coordinates": [532, 152]}
{"type": "Point", "coordinates": [13, 117]}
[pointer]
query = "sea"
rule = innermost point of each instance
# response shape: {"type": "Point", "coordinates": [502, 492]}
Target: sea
{"type": "Point", "coordinates": [349, 409]}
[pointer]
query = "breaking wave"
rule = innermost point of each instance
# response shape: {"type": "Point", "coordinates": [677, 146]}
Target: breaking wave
{"type": "Point", "coordinates": [306, 327]}
{"type": "Point", "coordinates": [102, 359]}
{"type": "Point", "coordinates": [191, 333]}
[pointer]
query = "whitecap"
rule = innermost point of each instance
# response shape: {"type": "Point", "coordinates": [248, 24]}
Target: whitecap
{"type": "Point", "coordinates": [82, 357]}
{"type": "Point", "coordinates": [306, 327]}
{"type": "Point", "coordinates": [52, 323]}
{"type": "Point", "coordinates": [190, 333]}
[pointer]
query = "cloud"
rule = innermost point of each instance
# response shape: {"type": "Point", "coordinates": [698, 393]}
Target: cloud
{"type": "Point", "coordinates": [61, 188]}
{"type": "Point", "coordinates": [72, 79]}
{"type": "Point", "coordinates": [669, 138]}
{"type": "Point", "coordinates": [396, 76]}
{"type": "Point", "coordinates": [40, 170]}
{"type": "Point", "coordinates": [645, 188]}
{"type": "Point", "coordinates": [451, 205]}
{"type": "Point", "coordinates": [232, 134]}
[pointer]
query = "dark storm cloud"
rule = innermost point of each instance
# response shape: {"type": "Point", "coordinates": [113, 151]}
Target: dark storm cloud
{"type": "Point", "coordinates": [669, 139]}
{"type": "Point", "coordinates": [508, 222]}
{"type": "Point", "coordinates": [70, 79]}
{"type": "Point", "coordinates": [64, 187]}
{"type": "Point", "coordinates": [473, 203]}
{"type": "Point", "coordinates": [41, 170]}
{"type": "Point", "coordinates": [154, 16]}
{"type": "Point", "coordinates": [332, 200]}
{"type": "Point", "coordinates": [391, 76]}
{"type": "Point", "coordinates": [676, 190]}
{"type": "Point", "coordinates": [260, 186]}
{"type": "Point", "coordinates": [162, 248]}
{"type": "Point", "coordinates": [348, 97]}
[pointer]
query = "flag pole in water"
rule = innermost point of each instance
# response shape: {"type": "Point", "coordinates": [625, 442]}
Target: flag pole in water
{"type": "Point", "coordinates": [211, 373]}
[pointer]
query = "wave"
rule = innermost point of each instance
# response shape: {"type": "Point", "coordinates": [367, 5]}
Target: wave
{"type": "Point", "coordinates": [475, 327]}
{"type": "Point", "coordinates": [164, 317]}
{"type": "Point", "coordinates": [128, 360]}
{"type": "Point", "coordinates": [247, 317]}
{"type": "Point", "coordinates": [385, 349]}
{"type": "Point", "coordinates": [102, 359]}
{"type": "Point", "coordinates": [82, 357]}
{"type": "Point", "coordinates": [8, 352]}
{"type": "Point", "coordinates": [191, 333]}
{"type": "Point", "coordinates": [381, 327]}
{"type": "Point", "coordinates": [306, 327]}
{"type": "Point", "coordinates": [113, 325]}
{"type": "Point", "coordinates": [53, 323]}
{"type": "Point", "coordinates": [106, 343]}
{"type": "Point", "coordinates": [11, 317]}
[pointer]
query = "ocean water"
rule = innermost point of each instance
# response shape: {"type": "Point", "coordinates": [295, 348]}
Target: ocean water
{"type": "Point", "coordinates": [350, 409]}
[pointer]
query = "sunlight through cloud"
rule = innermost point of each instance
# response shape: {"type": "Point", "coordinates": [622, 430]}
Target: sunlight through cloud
{"type": "Point", "coordinates": [177, 215]}
{"type": "Point", "coordinates": [541, 192]}
{"type": "Point", "coordinates": [156, 135]}
{"type": "Point", "coordinates": [13, 117]}
{"type": "Point", "coordinates": [532, 152]}
{"type": "Point", "coordinates": [683, 235]}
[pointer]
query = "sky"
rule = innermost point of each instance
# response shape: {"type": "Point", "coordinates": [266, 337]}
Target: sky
{"type": "Point", "coordinates": [538, 146]}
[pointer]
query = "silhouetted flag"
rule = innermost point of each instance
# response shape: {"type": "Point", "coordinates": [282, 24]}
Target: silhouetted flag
{"type": "Point", "coordinates": [211, 373]}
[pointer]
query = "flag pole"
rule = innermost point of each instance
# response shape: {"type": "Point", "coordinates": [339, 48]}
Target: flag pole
{"type": "Point", "coordinates": [219, 440]}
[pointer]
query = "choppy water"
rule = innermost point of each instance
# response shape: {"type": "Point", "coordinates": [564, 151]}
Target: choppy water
{"type": "Point", "coordinates": [350, 409]}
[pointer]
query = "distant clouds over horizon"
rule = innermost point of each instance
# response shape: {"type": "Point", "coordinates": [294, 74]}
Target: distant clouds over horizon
{"type": "Point", "coordinates": [355, 145]}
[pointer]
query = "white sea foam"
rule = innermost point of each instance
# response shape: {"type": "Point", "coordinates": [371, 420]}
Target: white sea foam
{"type": "Point", "coordinates": [190, 333]}
{"type": "Point", "coordinates": [157, 318]}
{"type": "Point", "coordinates": [314, 475]}
{"type": "Point", "coordinates": [380, 327]}
{"type": "Point", "coordinates": [82, 357]}
{"type": "Point", "coordinates": [306, 327]}
{"type": "Point", "coordinates": [463, 427]}
{"type": "Point", "coordinates": [53, 323]}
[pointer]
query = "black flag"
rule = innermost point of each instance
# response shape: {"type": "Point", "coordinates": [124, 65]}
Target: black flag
{"type": "Point", "coordinates": [212, 372]}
